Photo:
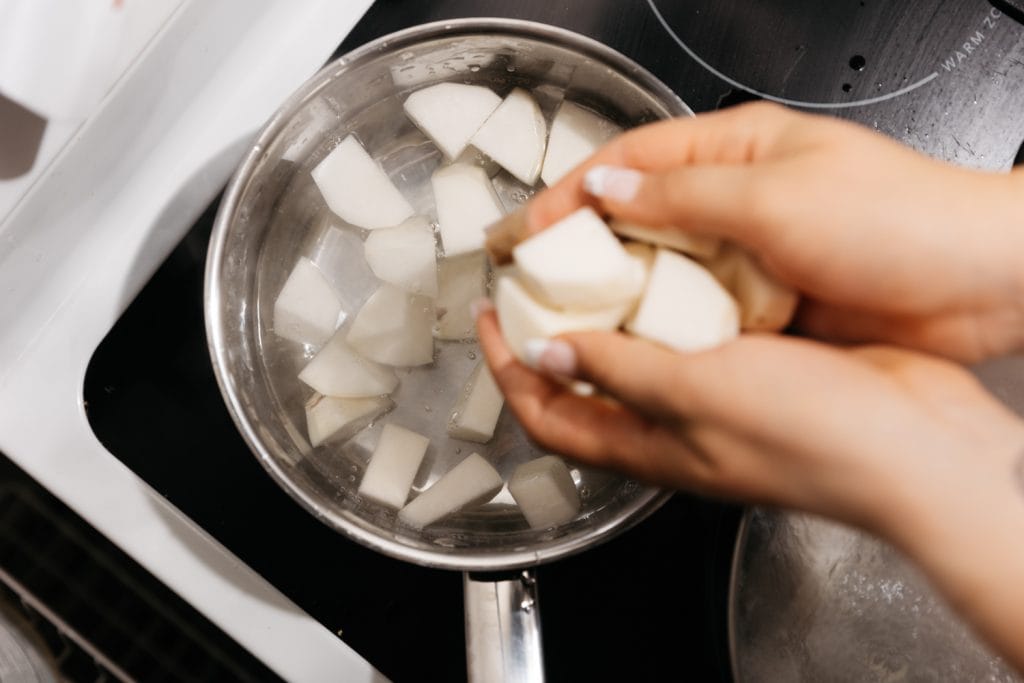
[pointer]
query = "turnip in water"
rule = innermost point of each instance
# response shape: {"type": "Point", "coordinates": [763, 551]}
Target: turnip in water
{"type": "Point", "coordinates": [476, 414]}
{"type": "Point", "coordinates": [307, 309]}
{"type": "Point", "coordinates": [470, 483]}
{"type": "Point", "coordinates": [576, 133]}
{"type": "Point", "coordinates": [330, 418]}
{"type": "Point", "coordinates": [393, 466]}
{"type": "Point", "coordinates": [450, 113]}
{"type": "Point", "coordinates": [358, 190]}
{"type": "Point", "coordinates": [545, 492]}
{"type": "Point", "coordinates": [466, 204]}
{"type": "Point", "coordinates": [394, 327]}
{"type": "Point", "coordinates": [405, 256]}
{"type": "Point", "coordinates": [515, 136]}
{"type": "Point", "coordinates": [337, 370]}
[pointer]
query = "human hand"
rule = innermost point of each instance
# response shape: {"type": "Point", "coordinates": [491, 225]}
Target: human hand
{"type": "Point", "coordinates": [886, 245]}
{"type": "Point", "coordinates": [905, 445]}
{"type": "Point", "coordinates": [845, 433]}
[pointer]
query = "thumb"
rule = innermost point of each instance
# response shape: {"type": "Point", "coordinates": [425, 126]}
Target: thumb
{"type": "Point", "coordinates": [648, 377]}
{"type": "Point", "coordinates": [707, 200]}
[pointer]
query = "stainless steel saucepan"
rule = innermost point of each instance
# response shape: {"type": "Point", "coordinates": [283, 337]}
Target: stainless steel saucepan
{"type": "Point", "coordinates": [272, 213]}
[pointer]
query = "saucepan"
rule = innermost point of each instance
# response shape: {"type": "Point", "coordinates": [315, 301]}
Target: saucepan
{"type": "Point", "coordinates": [272, 214]}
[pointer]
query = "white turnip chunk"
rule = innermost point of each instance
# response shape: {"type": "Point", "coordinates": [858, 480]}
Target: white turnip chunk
{"type": "Point", "coordinates": [466, 204]}
{"type": "Point", "coordinates": [393, 466]}
{"type": "Point", "coordinates": [578, 263]}
{"type": "Point", "coordinates": [329, 418]}
{"type": "Point", "coordinates": [358, 190]}
{"type": "Point", "coordinates": [523, 318]}
{"type": "Point", "coordinates": [405, 256]}
{"type": "Point", "coordinates": [450, 113]}
{"type": "Point", "coordinates": [394, 327]}
{"type": "Point", "coordinates": [307, 309]}
{"type": "Point", "coordinates": [476, 414]}
{"type": "Point", "coordinates": [337, 370]}
{"type": "Point", "coordinates": [576, 133]}
{"type": "Point", "coordinates": [545, 492]}
{"type": "Point", "coordinates": [515, 136]}
{"type": "Point", "coordinates": [683, 306]}
{"type": "Point", "coordinates": [470, 483]}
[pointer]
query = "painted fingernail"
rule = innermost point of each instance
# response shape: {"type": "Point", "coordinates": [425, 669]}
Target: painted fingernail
{"type": "Point", "coordinates": [613, 182]}
{"type": "Point", "coordinates": [480, 306]}
{"type": "Point", "coordinates": [551, 356]}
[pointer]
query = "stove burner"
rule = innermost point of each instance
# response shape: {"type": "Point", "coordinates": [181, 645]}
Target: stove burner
{"type": "Point", "coordinates": [800, 44]}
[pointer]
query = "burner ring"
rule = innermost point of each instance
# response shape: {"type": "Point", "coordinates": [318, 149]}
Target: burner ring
{"type": "Point", "coordinates": [783, 100]}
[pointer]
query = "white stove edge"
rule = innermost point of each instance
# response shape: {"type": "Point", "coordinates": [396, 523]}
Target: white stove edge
{"type": "Point", "coordinates": [87, 237]}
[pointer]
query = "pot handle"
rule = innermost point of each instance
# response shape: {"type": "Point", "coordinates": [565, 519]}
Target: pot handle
{"type": "Point", "coordinates": [503, 628]}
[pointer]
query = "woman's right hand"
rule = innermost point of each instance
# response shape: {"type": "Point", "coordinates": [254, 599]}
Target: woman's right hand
{"type": "Point", "coordinates": [885, 244]}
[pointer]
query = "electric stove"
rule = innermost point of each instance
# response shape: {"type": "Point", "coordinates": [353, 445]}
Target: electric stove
{"type": "Point", "coordinates": [108, 398]}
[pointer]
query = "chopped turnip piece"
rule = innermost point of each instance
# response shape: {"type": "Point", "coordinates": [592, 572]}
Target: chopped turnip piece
{"type": "Point", "coordinates": [307, 309]}
{"type": "Point", "coordinates": [578, 264]}
{"type": "Point", "coordinates": [476, 413]}
{"type": "Point", "coordinates": [466, 204]}
{"type": "Point", "coordinates": [470, 483]}
{"type": "Point", "coordinates": [643, 258]}
{"type": "Point", "coordinates": [332, 418]}
{"type": "Point", "coordinates": [545, 492]}
{"type": "Point", "coordinates": [394, 327]}
{"type": "Point", "coordinates": [515, 136]}
{"type": "Point", "coordinates": [337, 370]}
{"type": "Point", "coordinates": [523, 318]}
{"type": "Point", "coordinates": [684, 307]}
{"type": "Point", "coordinates": [358, 190]}
{"type": "Point", "coordinates": [576, 133]}
{"type": "Point", "coordinates": [393, 466]}
{"type": "Point", "coordinates": [461, 281]}
{"type": "Point", "coordinates": [699, 246]}
{"type": "Point", "coordinates": [405, 256]}
{"type": "Point", "coordinates": [450, 113]}
{"type": "Point", "coordinates": [766, 305]}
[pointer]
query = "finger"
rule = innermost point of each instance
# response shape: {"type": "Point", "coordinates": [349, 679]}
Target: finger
{"type": "Point", "coordinates": [651, 378]}
{"type": "Point", "coordinates": [596, 431]}
{"type": "Point", "coordinates": [735, 136]}
{"type": "Point", "coordinates": [706, 200]}
{"type": "Point", "coordinates": [698, 455]}
{"type": "Point", "coordinates": [953, 336]}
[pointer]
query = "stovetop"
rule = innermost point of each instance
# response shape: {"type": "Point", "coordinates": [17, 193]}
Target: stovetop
{"type": "Point", "coordinates": [945, 76]}
{"type": "Point", "coordinates": [153, 401]}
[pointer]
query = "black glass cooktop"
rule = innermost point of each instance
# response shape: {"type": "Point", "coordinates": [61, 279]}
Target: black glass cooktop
{"type": "Point", "coordinates": [153, 402]}
{"type": "Point", "coordinates": [944, 76]}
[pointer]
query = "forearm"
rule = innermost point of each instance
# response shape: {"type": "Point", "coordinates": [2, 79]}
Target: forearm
{"type": "Point", "coordinates": [965, 529]}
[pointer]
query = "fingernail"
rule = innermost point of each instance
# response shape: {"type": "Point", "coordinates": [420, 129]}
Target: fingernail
{"type": "Point", "coordinates": [480, 306]}
{"type": "Point", "coordinates": [551, 356]}
{"type": "Point", "coordinates": [613, 182]}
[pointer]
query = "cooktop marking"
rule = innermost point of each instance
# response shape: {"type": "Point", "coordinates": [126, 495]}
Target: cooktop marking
{"type": "Point", "coordinates": [782, 100]}
{"type": "Point", "coordinates": [973, 41]}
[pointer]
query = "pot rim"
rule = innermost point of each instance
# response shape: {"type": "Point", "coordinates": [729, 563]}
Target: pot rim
{"type": "Point", "coordinates": [493, 560]}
